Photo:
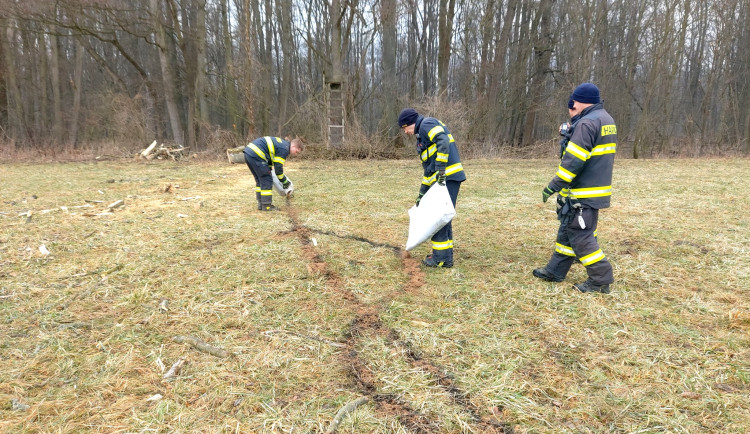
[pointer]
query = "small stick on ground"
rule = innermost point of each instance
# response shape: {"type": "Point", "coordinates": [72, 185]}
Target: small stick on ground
{"type": "Point", "coordinates": [343, 412]}
{"type": "Point", "coordinates": [174, 370]}
{"type": "Point", "coordinates": [202, 346]}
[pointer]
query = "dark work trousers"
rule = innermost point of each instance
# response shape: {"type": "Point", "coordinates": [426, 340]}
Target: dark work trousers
{"type": "Point", "coordinates": [263, 181]}
{"type": "Point", "coordinates": [575, 243]}
{"type": "Point", "coordinates": [442, 241]}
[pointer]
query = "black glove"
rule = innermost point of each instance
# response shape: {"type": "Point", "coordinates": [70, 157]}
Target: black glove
{"type": "Point", "coordinates": [286, 183]}
{"type": "Point", "coordinates": [419, 198]}
{"type": "Point", "coordinates": [441, 177]}
{"type": "Point", "coordinates": [547, 193]}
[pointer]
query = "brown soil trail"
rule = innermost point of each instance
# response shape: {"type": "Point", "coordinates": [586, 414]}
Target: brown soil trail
{"type": "Point", "coordinates": [367, 322]}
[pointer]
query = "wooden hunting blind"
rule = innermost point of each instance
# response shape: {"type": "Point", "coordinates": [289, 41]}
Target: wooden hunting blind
{"type": "Point", "coordinates": [335, 113]}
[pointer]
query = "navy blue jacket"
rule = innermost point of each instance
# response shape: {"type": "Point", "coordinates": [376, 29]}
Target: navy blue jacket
{"type": "Point", "coordinates": [438, 151]}
{"type": "Point", "coordinates": [585, 171]}
{"type": "Point", "coordinates": [272, 150]}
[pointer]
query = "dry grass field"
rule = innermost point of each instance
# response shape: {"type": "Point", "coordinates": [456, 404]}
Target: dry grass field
{"type": "Point", "coordinates": [272, 322]}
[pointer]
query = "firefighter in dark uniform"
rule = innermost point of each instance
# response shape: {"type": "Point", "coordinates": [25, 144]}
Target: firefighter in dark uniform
{"type": "Point", "coordinates": [584, 183]}
{"type": "Point", "coordinates": [442, 164]}
{"type": "Point", "coordinates": [263, 154]}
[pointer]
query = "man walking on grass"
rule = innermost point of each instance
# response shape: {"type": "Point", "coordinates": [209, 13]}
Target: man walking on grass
{"type": "Point", "coordinates": [584, 183]}
{"type": "Point", "coordinates": [261, 156]}
{"type": "Point", "coordinates": [440, 163]}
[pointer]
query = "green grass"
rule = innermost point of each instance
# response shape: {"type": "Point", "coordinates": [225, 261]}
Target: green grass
{"type": "Point", "coordinates": [84, 345]}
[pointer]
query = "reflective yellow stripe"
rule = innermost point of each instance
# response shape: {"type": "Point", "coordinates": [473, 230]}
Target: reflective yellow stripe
{"type": "Point", "coordinates": [257, 150]}
{"type": "Point", "coordinates": [564, 250]}
{"type": "Point", "coordinates": [429, 152]}
{"type": "Point", "coordinates": [257, 189]}
{"type": "Point", "coordinates": [592, 258]}
{"type": "Point", "coordinates": [442, 157]}
{"type": "Point", "coordinates": [271, 148]}
{"type": "Point", "coordinates": [608, 130]}
{"type": "Point", "coordinates": [453, 168]}
{"type": "Point", "coordinates": [581, 193]}
{"type": "Point", "coordinates": [577, 151]}
{"type": "Point", "coordinates": [608, 148]}
{"type": "Point", "coordinates": [281, 177]}
{"type": "Point", "coordinates": [279, 160]}
{"type": "Point", "coordinates": [442, 245]}
{"type": "Point", "coordinates": [266, 193]}
{"type": "Point", "coordinates": [429, 180]}
{"type": "Point", "coordinates": [434, 132]}
{"type": "Point", "coordinates": [596, 233]}
{"type": "Point", "coordinates": [564, 174]}
{"type": "Point", "coordinates": [565, 192]}
{"type": "Point", "coordinates": [450, 136]}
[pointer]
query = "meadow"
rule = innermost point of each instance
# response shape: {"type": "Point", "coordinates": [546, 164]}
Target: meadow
{"type": "Point", "coordinates": [184, 309]}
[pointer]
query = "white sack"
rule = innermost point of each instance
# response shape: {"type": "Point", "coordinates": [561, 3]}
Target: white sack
{"type": "Point", "coordinates": [435, 210]}
{"type": "Point", "coordinates": [277, 184]}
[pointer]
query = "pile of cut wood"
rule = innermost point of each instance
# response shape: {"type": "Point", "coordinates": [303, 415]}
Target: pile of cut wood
{"type": "Point", "coordinates": [163, 152]}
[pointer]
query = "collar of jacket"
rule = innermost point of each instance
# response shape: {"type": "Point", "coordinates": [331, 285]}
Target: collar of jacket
{"type": "Point", "coordinates": [589, 109]}
{"type": "Point", "coordinates": [418, 123]}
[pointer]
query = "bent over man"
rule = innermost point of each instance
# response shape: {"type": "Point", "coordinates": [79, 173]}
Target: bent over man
{"type": "Point", "coordinates": [442, 164]}
{"type": "Point", "coordinates": [584, 183]}
{"type": "Point", "coordinates": [264, 154]}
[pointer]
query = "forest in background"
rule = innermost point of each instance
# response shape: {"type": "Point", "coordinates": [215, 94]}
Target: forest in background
{"type": "Point", "coordinates": [209, 74]}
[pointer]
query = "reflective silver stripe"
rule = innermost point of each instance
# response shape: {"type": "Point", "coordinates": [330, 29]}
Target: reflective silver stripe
{"type": "Point", "coordinates": [592, 258]}
{"type": "Point", "coordinates": [257, 150]}
{"type": "Point", "coordinates": [565, 174]}
{"type": "Point", "coordinates": [453, 168]}
{"type": "Point", "coordinates": [442, 245]}
{"type": "Point", "coordinates": [434, 132]}
{"type": "Point", "coordinates": [564, 250]}
{"type": "Point", "coordinates": [609, 148]}
{"type": "Point", "coordinates": [581, 193]}
{"type": "Point", "coordinates": [577, 151]}
{"type": "Point", "coordinates": [271, 148]}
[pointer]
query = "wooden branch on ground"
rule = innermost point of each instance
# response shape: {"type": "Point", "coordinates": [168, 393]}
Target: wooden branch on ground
{"type": "Point", "coordinates": [343, 412]}
{"type": "Point", "coordinates": [201, 346]}
{"type": "Point", "coordinates": [174, 370]}
{"type": "Point", "coordinates": [148, 150]}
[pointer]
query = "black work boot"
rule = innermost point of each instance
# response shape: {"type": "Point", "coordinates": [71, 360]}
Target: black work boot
{"type": "Point", "coordinates": [588, 286]}
{"type": "Point", "coordinates": [430, 261]}
{"type": "Point", "coordinates": [266, 204]}
{"type": "Point", "coordinates": [543, 274]}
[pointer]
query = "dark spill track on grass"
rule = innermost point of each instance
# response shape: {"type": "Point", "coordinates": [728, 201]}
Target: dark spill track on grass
{"type": "Point", "coordinates": [367, 322]}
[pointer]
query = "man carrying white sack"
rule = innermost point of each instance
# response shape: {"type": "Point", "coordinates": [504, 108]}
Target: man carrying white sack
{"type": "Point", "coordinates": [442, 164]}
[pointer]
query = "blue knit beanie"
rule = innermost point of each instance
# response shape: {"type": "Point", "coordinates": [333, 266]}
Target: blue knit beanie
{"type": "Point", "coordinates": [407, 117]}
{"type": "Point", "coordinates": [571, 103]}
{"type": "Point", "coordinates": [587, 93]}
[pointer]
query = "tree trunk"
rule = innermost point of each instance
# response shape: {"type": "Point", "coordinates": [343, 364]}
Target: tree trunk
{"type": "Point", "coordinates": [77, 90]}
{"type": "Point", "coordinates": [246, 55]}
{"type": "Point", "coordinates": [390, 92]}
{"type": "Point", "coordinates": [445, 36]}
{"type": "Point", "coordinates": [168, 79]}
{"type": "Point", "coordinates": [542, 53]}
{"type": "Point", "coordinates": [287, 48]}
{"type": "Point", "coordinates": [57, 113]}
{"type": "Point", "coordinates": [230, 91]}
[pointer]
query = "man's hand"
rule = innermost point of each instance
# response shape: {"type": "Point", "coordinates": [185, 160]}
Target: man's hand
{"type": "Point", "coordinates": [286, 183]}
{"type": "Point", "coordinates": [441, 177]}
{"type": "Point", "coordinates": [547, 193]}
{"type": "Point", "coordinates": [419, 198]}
